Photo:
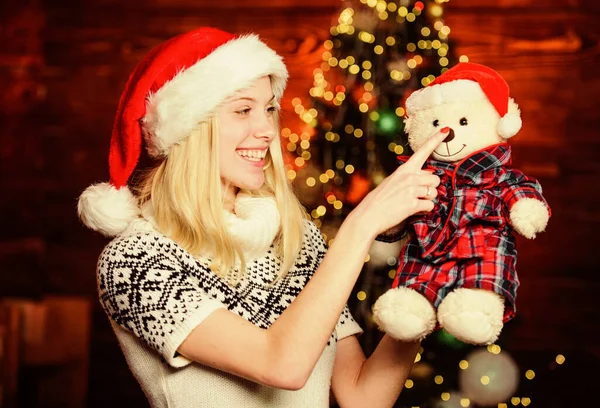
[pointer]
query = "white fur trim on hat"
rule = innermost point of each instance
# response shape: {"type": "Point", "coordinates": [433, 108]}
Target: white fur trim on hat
{"type": "Point", "coordinates": [105, 209]}
{"type": "Point", "coordinates": [511, 123]}
{"type": "Point", "coordinates": [184, 101]}
{"type": "Point", "coordinates": [460, 90]}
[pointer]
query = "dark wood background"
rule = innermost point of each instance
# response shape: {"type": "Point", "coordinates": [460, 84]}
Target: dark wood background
{"type": "Point", "coordinates": [64, 63]}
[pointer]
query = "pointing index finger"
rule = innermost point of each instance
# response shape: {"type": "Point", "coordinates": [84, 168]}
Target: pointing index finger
{"type": "Point", "coordinates": [416, 161]}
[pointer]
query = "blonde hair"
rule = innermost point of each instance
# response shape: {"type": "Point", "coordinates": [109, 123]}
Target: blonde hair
{"type": "Point", "coordinates": [186, 197]}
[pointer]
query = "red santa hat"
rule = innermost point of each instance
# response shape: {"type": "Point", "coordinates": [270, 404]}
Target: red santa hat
{"type": "Point", "coordinates": [468, 81]}
{"type": "Point", "coordinates": [170, 91]}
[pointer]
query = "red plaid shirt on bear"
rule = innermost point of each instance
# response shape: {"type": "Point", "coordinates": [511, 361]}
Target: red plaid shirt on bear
{"type": "Point", "coordinates": [467, 241]}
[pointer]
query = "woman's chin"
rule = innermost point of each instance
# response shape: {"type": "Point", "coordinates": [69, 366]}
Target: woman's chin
{"type": "Point", "coordinates": [251, 184]}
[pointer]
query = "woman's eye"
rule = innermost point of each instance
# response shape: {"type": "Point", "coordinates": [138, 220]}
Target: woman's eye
{"type": "Point", "coordinates": [463, 122]}
{"type": "Point", "coordinates": [436, 123]}
{"type": "Point", "coordinates": [271, 109]}
{"type": "Point", "coordinates": [243, 112]}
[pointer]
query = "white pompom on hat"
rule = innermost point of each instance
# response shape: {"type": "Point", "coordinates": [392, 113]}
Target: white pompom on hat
{"type": "Point", "coordinates": [468, 81]}
{"type": "Point", "coordinates": [176, 86]}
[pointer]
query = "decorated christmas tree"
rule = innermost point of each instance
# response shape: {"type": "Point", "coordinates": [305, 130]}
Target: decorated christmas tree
{"type": "Point", "coordinates": [378, 53]}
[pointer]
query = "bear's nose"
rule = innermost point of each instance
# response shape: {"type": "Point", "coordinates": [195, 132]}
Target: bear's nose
{"type": "Point", "coordinates": [450, 136]}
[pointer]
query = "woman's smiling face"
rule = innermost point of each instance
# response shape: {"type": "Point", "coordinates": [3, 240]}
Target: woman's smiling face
{"type": "Point", "coordinates": [247, 128]}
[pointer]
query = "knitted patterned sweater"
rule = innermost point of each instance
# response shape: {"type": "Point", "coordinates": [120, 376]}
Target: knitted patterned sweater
{"type": "Point", "coordinates": [155, 293]}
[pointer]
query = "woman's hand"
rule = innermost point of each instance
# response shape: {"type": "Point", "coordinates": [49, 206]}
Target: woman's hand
{"type": "Point", "coordinates": [407, 191]}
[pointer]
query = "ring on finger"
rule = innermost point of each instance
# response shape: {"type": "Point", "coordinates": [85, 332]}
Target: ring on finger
{"type": "Point", "coordinates": [428, 193]}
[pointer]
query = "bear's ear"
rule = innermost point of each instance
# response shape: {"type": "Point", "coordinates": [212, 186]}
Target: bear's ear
{"type": "Point", "coordinates": [511, 123]}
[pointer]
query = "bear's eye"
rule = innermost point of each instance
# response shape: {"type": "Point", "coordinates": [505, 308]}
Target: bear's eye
{"type": "Point", "coordinates": [463, 122]}
{"type": "Point", "coordinates": [436, 123]}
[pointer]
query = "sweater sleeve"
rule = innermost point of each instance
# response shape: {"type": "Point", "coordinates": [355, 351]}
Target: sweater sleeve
{"type": "Point", "coordinates": [346, 325]}
{"type": "Point", "coordinates": [149, 286]}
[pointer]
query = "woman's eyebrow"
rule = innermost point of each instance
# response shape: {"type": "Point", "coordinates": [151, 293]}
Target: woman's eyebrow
{"type": "Point", "coordinates": [249, 98]}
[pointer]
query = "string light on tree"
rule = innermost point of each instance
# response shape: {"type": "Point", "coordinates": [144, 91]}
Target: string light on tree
{"type": "Point", "coordinates": [388, 123]}
{"type": "Point", "coordinates": [448, 340]}
{"type": "Point", "coordinates": [490, 376]}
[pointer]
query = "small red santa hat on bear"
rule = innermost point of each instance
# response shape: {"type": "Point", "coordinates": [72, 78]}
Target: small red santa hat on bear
{"type": "Point", "coordinates": [468, 81]}
{"type": "Point", "coordinates": [177, 85]}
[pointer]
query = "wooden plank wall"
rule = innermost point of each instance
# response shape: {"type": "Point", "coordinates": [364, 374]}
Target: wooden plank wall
{"type": "Point", "coordinates": [64, 63]}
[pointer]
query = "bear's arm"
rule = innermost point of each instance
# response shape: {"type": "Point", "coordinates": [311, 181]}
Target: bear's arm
{"type": "Point", "coordinates": [516, 186]}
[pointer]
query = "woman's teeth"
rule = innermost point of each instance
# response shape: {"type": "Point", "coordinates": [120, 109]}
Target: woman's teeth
{"type": "Point", "coordinates": [252, 155]}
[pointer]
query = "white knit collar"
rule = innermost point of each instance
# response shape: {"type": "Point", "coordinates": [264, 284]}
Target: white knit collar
{"type": "Point", "coordinates": [253, 224]}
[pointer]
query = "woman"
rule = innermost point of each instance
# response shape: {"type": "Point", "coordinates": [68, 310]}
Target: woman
{"type": "Point", "coordinates": [219, 290]}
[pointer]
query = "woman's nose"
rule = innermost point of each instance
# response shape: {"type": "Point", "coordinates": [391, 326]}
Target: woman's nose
{"type": "Point", "coordinates": [265, 127]}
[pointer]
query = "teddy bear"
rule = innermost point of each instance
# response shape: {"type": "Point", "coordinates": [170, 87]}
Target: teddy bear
{"type": "Point", "coordinates": [457, 268]}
